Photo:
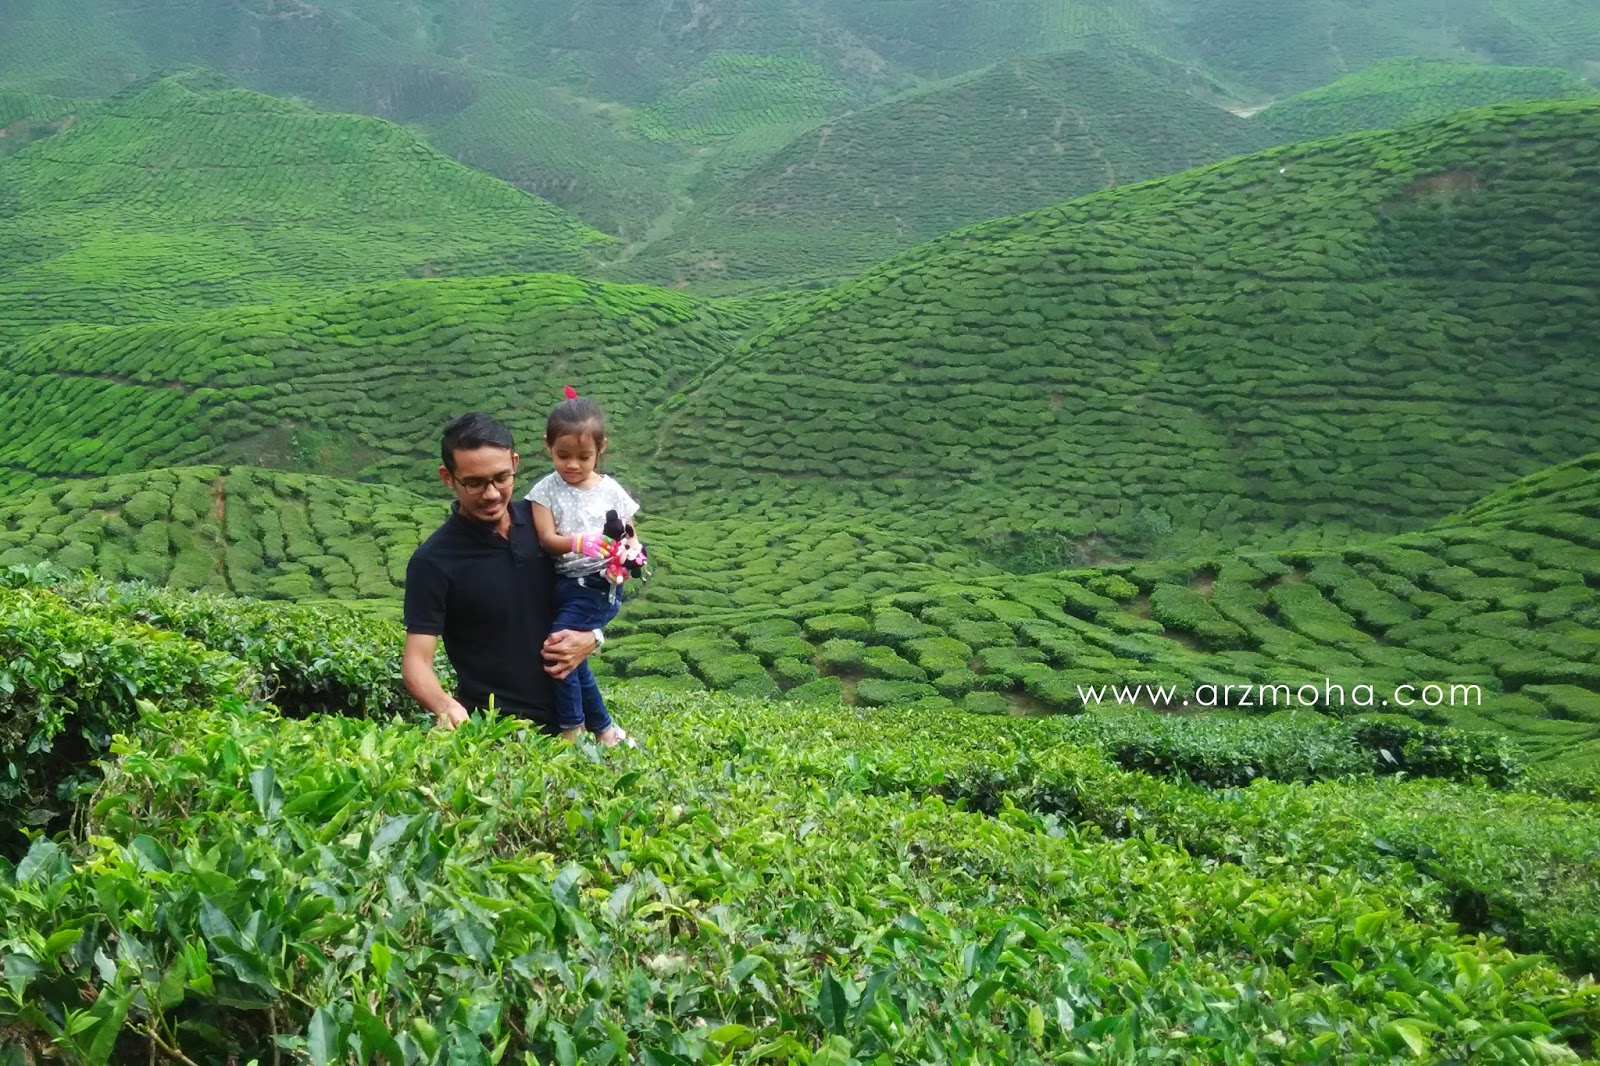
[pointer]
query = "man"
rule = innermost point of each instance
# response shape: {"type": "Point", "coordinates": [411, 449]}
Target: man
{"type": "Point", "coordinates": [483, 583]}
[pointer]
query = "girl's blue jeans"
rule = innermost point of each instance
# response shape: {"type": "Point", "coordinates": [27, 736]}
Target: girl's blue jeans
{"type": "Point", "coordinates": [583, 603]}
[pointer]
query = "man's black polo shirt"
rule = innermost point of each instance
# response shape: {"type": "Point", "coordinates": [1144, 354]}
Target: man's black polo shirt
{"type": "Point", "coordinates": [492, 599]}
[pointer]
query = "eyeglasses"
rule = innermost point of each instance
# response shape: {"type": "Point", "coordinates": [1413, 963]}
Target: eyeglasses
{"type": "Point", "coordinates": [476, 485]}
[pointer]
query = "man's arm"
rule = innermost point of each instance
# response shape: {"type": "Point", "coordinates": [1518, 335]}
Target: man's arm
{"type": "Point", "coordinates": [416, 670]}
{"type": "Point", "coordinates": [565, 649]}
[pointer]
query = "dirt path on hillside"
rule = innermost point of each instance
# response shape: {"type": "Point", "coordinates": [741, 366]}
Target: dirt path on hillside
{"type": "Point", "coordinates": [1249, 111]}
{"type": "Point", "coordinates": [219, 511]}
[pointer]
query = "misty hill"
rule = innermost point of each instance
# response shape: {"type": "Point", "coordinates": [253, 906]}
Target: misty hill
{"type": "Point", "coordinates": [1405, 91]}
{"type": "Point", "coordinates": [354, 383]}
{"type": "Point", "coordinates": [539, 94]}
{"type": "Point", "coordinates": [1354, 335]}
{"type": "Point", "coordinates": [396, 52]}
{"type": "Point", "coordinates": [1020, 135]}
{"type": "Point", "coordinates": [189, 193]}
{"type": "Point", "coordinates": [561, 147]}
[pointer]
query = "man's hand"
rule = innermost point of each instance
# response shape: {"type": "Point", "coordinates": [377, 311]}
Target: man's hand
{"type": "Point", "coordinates": [416, 670]}
{"type": "Point", "coordinates": [452, 715]}
{"type": "Point", "coordinates": [565, 650]}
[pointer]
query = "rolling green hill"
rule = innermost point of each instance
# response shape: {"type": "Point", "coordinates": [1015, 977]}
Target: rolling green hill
{"type": "Point", "coordinates": [186, 193]}
{"type": "Point", "coordinates": [1020, 135]}
{"type": "Point", "coordinates": [357, 383]}
{"type": "Point", "coordinates": [1352, 336]}
{"type": "Point", "coordinates": [1406, 91]}
{"type": "Point", "coordinates": [1497, 605]}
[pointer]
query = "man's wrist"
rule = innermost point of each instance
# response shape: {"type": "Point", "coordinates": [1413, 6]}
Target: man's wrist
{"type": "Point", "coordinates": [599, 638]}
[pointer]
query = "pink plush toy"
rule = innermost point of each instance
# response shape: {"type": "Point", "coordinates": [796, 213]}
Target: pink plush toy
{"type": "Point", "coordinates": [622, 550]}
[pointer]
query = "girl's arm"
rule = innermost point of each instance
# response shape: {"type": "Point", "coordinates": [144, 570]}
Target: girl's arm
{"type": "Point", "coordinates": [544, 524]}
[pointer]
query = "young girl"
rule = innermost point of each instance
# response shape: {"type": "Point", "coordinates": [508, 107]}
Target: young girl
{"type": "Point", "coordinates": [569, 511]}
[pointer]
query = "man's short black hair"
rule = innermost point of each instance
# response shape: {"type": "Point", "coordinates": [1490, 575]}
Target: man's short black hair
{"type": "Point", "coordinates": [473, 430]}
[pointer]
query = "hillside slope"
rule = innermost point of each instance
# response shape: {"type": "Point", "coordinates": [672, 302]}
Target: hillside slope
{"type": "Point", "coordinates": [1316, 341]}
{"type": "Point", "coordinates": [356, 383]}
{"type": "Point", "coordinates": [188, 193]}
{"type": "Point", "coordinates": [26, 117]}
{"type": "Point", "coordinates": [1017, 136]}
{"type": "Point", "coordinates": [1406, 91]}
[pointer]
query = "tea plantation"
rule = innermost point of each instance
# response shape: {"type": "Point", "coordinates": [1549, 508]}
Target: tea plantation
{"type": "Point", "coordinates": [1405, 91]}
{"type": "Point", "coordinates": [1266, 344]}
{"type": "Point", "coordinates": [1121, 592]}
{"type": "Point", "coordinates": [556, 144]}
{"type": "Point", "coordinates": [26, 117]}
{"type": "Point", "coordinates": [1427, 327]}
{"type": "Point", "coordinates": [1495, 605]}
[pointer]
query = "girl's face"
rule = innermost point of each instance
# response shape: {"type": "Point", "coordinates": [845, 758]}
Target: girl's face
{"type": "Point", "coordinates": [574, 456]}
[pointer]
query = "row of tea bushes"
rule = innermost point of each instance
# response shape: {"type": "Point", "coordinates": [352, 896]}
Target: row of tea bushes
{"type": "Point", "coordinates": [732, 93]}
{"type": "Point", "coordinates": [552, 144]}
{"type": "Point", "coordinates": [1520, 865]}
{"type": "Point", "coordinates": [280, 535]}
{"type": "Point", "coordinates": [26, 117]}
{"type": "Point", "coordinates": [87, 653]}
{"type": "Point", "coordinates": [251, 532]}
{"type": "Point", "coordinates": [1500, 598]}
{"type": "Point", "coordinates": [425, 897]}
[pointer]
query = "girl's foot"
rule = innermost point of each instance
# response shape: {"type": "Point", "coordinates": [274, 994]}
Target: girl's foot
{"type": "Point", "coordinates": [571, 735]}
{"type": "Point", "coordinates": [613, 735]}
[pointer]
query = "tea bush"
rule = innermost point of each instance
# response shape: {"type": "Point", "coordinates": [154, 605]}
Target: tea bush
{"type": "Point", "coordinates": [71, 680]}
{"type": "Point", "coordinates": [1406, 610]}
{"type": "Point", "coordinates": [755, 882]}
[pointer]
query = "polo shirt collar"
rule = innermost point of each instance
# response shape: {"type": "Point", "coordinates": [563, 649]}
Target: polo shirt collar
{"type": "Point", "coordinates": [482, 530]}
